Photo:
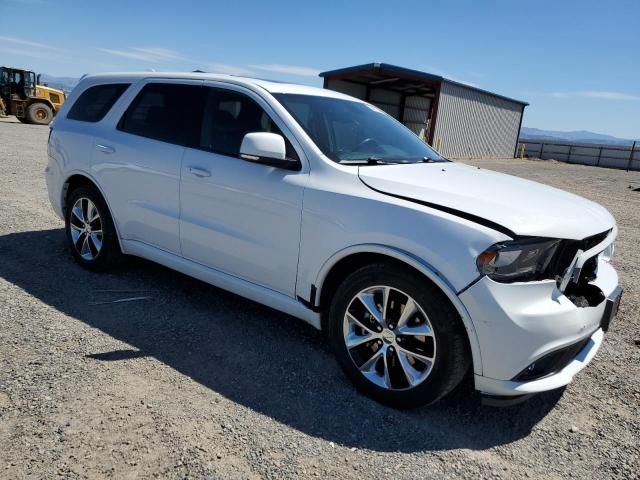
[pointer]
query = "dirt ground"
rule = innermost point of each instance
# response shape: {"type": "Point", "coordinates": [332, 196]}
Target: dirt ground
{"type": "Point", "coordinates": [194, 382]}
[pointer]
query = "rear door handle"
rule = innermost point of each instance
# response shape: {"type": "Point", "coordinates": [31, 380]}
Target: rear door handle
{"type": "Point", "coordinates": [199, 172]}
{"type": "Point", "coordinates": [105, 148]}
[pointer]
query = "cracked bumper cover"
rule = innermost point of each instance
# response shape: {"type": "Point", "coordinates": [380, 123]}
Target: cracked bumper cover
{"type": "Point", "coordinates": [519, 323]}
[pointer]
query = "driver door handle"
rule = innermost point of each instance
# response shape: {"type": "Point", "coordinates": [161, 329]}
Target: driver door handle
{"type": "Point", "coordinates": [199, 172]}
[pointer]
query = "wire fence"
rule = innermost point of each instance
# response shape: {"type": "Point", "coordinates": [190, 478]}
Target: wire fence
{"type": "Point", "coordinates": [599, 155]}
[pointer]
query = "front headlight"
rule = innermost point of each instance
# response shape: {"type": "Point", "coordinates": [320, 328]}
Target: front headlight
{"type": "Point", "coordinates": [518, 260]}
{"type": "Point", "coordinates": [607, 254]}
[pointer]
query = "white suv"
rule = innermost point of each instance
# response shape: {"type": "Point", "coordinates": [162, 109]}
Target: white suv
{"type": "Point", "coordinates": [322, 206]}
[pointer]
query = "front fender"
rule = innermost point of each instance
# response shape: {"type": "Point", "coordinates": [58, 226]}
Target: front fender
{"type": "Point", "coordinates": [423, 268]}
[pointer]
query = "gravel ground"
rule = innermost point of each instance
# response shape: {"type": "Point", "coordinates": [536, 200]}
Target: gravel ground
{"type": "Point", "coordinates": [194, 382]}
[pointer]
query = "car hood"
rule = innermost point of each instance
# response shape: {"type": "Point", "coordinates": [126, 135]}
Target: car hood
{"type": "Point", "coordinates": [497, 200]}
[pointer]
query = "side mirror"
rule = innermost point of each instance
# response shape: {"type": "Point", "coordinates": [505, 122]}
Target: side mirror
{"type": "Point", "coordinates": [268, 149]}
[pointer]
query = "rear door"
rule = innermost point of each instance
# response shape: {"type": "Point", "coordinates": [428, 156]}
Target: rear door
{"type": "Point", "coordinates": [137, 159]}
{"type": "Point", "coordinates": [239, 217]}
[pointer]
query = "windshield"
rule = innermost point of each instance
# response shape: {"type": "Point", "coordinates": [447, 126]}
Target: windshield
{"type": "Point", "coordinates": [353, 132]}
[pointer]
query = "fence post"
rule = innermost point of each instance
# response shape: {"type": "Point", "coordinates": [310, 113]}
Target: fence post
{"type": "Point", "coordinates": [541, 150]}
{"type": "Point", "coordinates": [633, 147]}
{"type": "Point", "coordinates": [569, 156]}
{"type": "Point", "coordinates": [599, 157]}
{"type": "Point", "coordinates": [522, 147]}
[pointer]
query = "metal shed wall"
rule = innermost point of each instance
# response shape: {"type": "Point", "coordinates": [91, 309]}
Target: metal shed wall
{"type": "Point", "coordinates": [471, 123]}
{"type": "Point", "coordinates": [348, 88]}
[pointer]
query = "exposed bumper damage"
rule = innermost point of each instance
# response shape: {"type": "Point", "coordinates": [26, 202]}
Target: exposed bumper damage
{"type": "Point", "coordinates": [535, 336]}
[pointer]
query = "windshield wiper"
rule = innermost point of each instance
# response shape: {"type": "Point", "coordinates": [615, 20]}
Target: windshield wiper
{"type": "Point", "coordinates": [368, 161]}
{"type": "Point", "coordinates": [379, 161]}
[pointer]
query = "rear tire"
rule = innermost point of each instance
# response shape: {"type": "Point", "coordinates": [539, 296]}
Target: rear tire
{"type": "Point", "coordinates": [422, 356]}
{"type": "Point", "coordinates": [91, 234]}
{"type": "Point", "coordinates": [39, 114]}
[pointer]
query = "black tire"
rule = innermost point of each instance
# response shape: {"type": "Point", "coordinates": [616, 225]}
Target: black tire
{"type": "Point", "coordinates": [23, 119]}
{"type": "Point", "coordinates": [109, 254]}
{"type": "Point", "coordinates": [452, 360]}
{"type": "Point", "coordinates": [39, 114]}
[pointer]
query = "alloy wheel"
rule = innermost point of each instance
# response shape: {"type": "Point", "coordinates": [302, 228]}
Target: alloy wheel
{"type": "Point", "coordinates": [389, 338]}
{"type": "Point", "coordinates": [86, 228]}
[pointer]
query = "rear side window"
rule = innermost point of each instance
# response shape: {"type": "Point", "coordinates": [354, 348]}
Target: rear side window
{"type": "Point", "coordinates": [168, 112]}
{"type": "Point", "coordinates": [94, 103]}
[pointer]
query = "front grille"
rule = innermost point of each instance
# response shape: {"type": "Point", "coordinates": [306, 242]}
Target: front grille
{"type": "Point", "coordinates": [567, 251]}
{"type": "Point", "coordinates": [551, 363]}
{"type": "Point", "coordinates": [54, 97]}
{"type": "Point", "coordinates": [594, 240]}
{"type": "Point", "coordinates": [563, 257]}
{"type": "Point", "coordinates": [589, 270]}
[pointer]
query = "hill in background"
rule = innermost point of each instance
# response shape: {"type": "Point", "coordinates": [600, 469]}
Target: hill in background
{"type": "Point", "coordinates": [61, 83]}
{"type": "Point", "coordinates": [581, 136]}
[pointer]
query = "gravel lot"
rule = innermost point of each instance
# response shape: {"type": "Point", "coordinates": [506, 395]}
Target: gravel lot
{"type": "Point", "coordinates": [195, 382]}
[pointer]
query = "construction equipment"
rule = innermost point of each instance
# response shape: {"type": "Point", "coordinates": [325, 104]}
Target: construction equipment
{"type": "Point", "coordinates": [20, 95]}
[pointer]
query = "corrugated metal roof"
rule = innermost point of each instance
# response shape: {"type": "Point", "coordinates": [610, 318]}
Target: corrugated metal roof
{"type": "Point", "coordinates": [388, 70]}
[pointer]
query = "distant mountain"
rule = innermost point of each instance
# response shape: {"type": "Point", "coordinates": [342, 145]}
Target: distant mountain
{"type": "Point", "coordinates": [62, 83]}
{"type": "Point", "coordinates": [581, 136]}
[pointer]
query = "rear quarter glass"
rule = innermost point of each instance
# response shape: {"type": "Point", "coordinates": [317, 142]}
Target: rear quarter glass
{"type": "Point", "coordinates": [95, 102]}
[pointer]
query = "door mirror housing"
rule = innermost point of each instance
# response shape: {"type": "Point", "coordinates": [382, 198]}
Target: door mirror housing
{"type": "Point", "coordinates": [267, 148]}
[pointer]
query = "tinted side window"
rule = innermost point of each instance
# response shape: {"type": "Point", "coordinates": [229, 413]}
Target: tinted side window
{"type": "Point", "coordinates": [94, 103]}
{"type": "Point", "coordinates": [228, 117]}
{"type": "Point", "coordinates": [167, 112]}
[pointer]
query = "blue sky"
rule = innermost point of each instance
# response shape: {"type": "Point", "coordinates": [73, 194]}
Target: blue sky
{"type": "Point", "coordinates": [576, 62]}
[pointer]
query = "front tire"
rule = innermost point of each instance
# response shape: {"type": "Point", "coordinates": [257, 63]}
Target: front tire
{"type": "Point", "coordinates": [39, 114]}
{"type": "Point", "coordinates": [397, 337]}
{"type": "Point", "coordinates": [91, 234]}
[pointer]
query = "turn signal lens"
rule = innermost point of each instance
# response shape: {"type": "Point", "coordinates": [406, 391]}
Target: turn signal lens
{"type": "Point", "coordinates": [485, 258]}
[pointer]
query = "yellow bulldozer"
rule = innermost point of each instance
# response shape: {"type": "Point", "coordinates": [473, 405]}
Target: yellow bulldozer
{"type": "Point", "coordinates": [22, 96]}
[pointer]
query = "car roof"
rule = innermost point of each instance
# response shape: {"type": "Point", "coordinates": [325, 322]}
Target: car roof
{"type": "Point", "coordinates": [270, 86]}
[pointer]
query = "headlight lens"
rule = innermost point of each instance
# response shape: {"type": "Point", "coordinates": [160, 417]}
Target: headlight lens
{"type": "Point", "coordinates": [518, 260]}
{"type": "Point", "coordinates": [608, 253]}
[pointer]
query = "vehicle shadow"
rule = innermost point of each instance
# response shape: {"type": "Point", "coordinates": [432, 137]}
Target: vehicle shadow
{"type": "Point", "coordinates": [252, 355]}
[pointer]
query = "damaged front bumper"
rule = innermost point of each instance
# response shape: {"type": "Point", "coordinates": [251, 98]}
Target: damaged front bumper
{"type": "Point", "coordinates": [532, 336]}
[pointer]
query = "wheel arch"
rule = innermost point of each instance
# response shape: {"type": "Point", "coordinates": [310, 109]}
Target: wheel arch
{"type": "Point", "coordinates": [350, 259]}
{"type": "Point", "coordinates": [78, 179]}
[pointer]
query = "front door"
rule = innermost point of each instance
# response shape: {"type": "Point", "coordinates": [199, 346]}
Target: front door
{"type": "Point", "coordinates": [239, 217]}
